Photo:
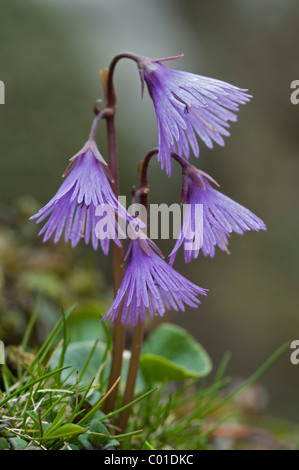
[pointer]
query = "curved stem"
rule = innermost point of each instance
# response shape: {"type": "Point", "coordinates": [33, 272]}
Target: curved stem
{"type": "Point", "coordinates": [107, 112]}
{"type": "Point", "coordinates": [144, 169]}
{"type": "Point", "coordinates": [118, 271]}
{"type": "Point", "coordinates": [119, 329]}
{"type": "Point", "coordinates": [111, 97]}
{"type": "Point", "coordinates": [180, 160]}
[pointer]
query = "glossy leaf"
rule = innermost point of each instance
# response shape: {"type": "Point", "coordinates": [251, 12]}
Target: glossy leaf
{"type": "Point", "coordinates": [171, 353]}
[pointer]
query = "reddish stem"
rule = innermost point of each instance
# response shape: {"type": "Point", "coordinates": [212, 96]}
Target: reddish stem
{"type": "Point", "coordinates": [118, 272]}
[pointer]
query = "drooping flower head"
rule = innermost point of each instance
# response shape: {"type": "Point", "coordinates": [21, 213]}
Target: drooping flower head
{"type": "Point", "coordinates": [187, 104]}
{"type": "Point", "coordinates": [150, 284]}
{"type": "Point", "coordinates": [73, 208]}
{"type": "Point", "coordinates": [220, 217]}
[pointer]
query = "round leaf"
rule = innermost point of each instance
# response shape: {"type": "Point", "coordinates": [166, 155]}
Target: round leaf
{"type": "Point", "coordinates": [77, 355]}
{"type": "Point", "coordinates": [171, 353]}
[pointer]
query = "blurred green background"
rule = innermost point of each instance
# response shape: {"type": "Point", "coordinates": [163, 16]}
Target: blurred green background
{"type": "Point", "coordinates": [50, 54]}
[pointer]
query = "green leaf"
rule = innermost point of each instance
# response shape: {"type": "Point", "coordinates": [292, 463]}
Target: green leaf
{"type": "Point", "coordinates": [3, 444]}
{"type": "Point", "coordinates": [60, 417]}
{"type": "Point", "coordinates": [65, 431]}
{"type": "Point", "coordinates": [85, 442]}
{"type": "Point", "coordinates": [31, 324]}
{"type": "Point", "coordinates": [34, 416]}
{"type": "Point", "coordinates": [171, 353]}
{"type": "Point", "coordinates": [101, 434]}
{"type": "Point", "coordinates": [146, 446]}
{"type": "Point", "coordinates": [76, 356]}
{"type": "Point", "coordinates": [110, 445]}
{"type": "Point", "coordinates": [32, 448]}
{"type": "Point", "coordinates": [19, 390]}
{"type": "Point", "coordinates": [18, 443]}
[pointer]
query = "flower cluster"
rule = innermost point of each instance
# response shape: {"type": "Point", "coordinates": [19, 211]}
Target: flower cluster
{"type": "Point", "coordinates": [187, 107]}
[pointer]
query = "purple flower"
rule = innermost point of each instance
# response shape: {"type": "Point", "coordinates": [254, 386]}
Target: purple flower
{"type": "Point", "coordinates": [73, 208]}
{"type": "Point", "coordinates": [220, 217]}
{"type": "Point", "coordinates": [149, 283]}
{"type": "Point", "coordinates": [187, 104]}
